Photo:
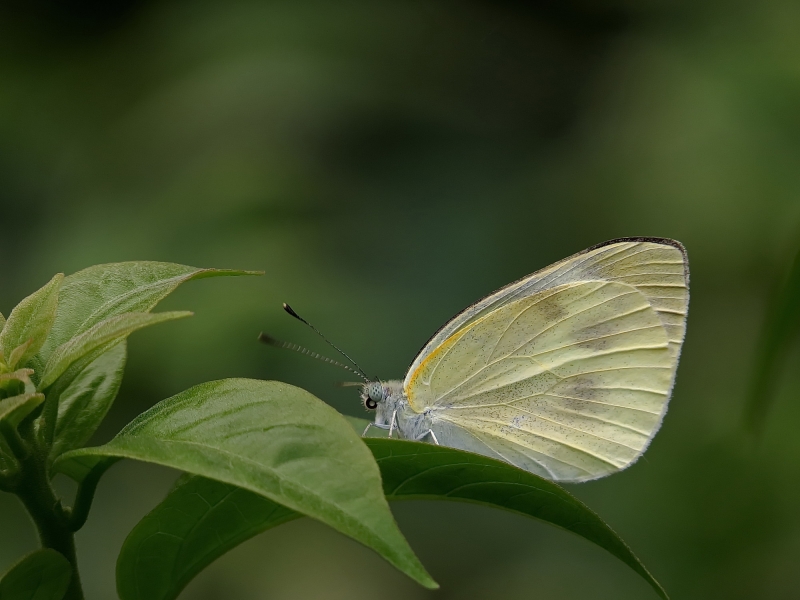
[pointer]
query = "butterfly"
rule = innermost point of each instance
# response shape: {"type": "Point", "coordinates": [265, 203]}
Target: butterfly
{"type": "Point", "coordinates": [565, 373]}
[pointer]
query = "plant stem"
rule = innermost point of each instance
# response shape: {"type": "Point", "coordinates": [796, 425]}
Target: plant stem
{"type": "Point", "coordinates": [50, 518]}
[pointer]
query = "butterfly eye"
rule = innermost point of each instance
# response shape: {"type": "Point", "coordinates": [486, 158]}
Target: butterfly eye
{"type": "Point", "coordinates": [371, 404]}
{"type": "Point", "coordinates": [375, 391]}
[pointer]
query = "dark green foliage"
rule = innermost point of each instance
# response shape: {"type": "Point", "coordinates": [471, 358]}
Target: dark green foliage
{"type": "Point", "coordinates": [197, 522]}
{"type": "Point", "coordinates": [42, 575]}
{"type": "Point", "coordinates": [779, 331]}
{"type": "Point", "coordinates": [202, 519]}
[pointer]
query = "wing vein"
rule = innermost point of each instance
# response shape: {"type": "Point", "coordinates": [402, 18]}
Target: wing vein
{"type": "Point", "coordinates": [605, 265]}
{"type": "Point", "coordinates": [512, 406]}
{"type": "Point", "coordinates": [588, 258]}
{"type": "Point", "coordinates": [596, 418]}
{"type": "Point", "coordinates": [527, 446]}
{"type": "Point", "coordinates": [649, 412]}
{"type": "Point", "coordinates": [576, 448]}
{"type": "Point", "coordinates": [523, 311]}
{"type": "Point", "coordinates": [670, 311]}
{"type": "Point", "coordinates": [599, 437]}
{"type": "Point", "coordinates": [630, 389]}
{"type": "Point", "coordinates": [489, 364]}
{"type": "Point", "coordinates": [545, 280]}
{"type": "Point", "coordinates": [616, 369]}
{"type": "Point", "coordinates": [594, 355]}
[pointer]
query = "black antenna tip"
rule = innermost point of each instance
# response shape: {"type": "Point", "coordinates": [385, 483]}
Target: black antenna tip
{"type": "Point", "coordinates": [290, 310]}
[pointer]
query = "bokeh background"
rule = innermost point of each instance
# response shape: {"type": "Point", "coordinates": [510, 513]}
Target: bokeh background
{"type": "Point", "coordinates": [387, 163]}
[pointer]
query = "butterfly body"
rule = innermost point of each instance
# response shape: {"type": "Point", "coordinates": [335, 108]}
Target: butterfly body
{"type": "Point", "coordinates": [565, 373]}
{"type": "Point", "coordinates": [393, 412]}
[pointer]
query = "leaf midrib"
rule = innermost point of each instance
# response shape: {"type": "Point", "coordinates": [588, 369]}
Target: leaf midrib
{"type": "Point", "coordinates": [128, 294]}
{"type": "Point", "coordinates": [283, 481]}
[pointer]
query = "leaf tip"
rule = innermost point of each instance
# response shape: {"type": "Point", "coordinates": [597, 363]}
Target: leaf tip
{"type": "Point", "coordinates": [54, 284]}
{"type": "Point", "coordinates": [175, 314]}
{"type": "Point", "coordinates": [203, 273]}
{"type": "Point", "coordinates": [429, 583]}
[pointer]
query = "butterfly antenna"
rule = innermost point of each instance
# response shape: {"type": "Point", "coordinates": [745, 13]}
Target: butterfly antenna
{"type": "Point", "coordinates": [271, 341]}
{"type": "Point", "coordinates": [290, 310]}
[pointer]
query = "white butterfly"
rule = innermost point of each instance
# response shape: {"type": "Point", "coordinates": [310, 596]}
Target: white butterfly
{"type": "Point", "coordinates": [565, 373]}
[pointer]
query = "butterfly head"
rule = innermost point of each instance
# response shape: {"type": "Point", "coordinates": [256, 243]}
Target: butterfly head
{"type": "Point", "coordinates": [372, 394]}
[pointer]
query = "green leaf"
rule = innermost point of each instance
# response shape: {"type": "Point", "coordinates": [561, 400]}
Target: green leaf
{"type": "Point", "coordinates": [275, 440]}
{"type": "Point", "coordinates": [29, 323]}
{"type": "Point", "coordinates": [102, 291]}
{"type": "Point", "coordinates": [100, 337]}
{"type": "Point", "coordinates": [781, 326]}
{"type": "Point", "coordinates": [82, 468]}
{"type": "Point", "coordinates": [413, 470]}
{"type": "Point", "coordinates": [201, 519]}
{"type": "Point", "coordinates": [41, 575]}
{"type": "Point", "coordinates": [19, 353]}
{"type": "Point", "coordinates": [16, 408]}
{"type": "Point", "coordinates": [83, 404]}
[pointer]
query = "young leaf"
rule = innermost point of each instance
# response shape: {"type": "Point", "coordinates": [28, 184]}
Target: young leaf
{"type": "Point", "coordinates": [16, 408]}
{"type": "Point", "coordinates": [19, 353]}
{"type": "Point", "coordinates": [780, 328]}
{"type": "Point", "coordinates": [201, 519]}
{"type": "Point", "coordinates": [103, 291]}
{"type": "Point", "coordinates": [275, 440]}
{"type": "Point", "coordinates": [84, 402]}
{"type": "Point", "coordinates": [30, 322]}
{"type": "Point", "coordinates": [99, 337]}
{"type": "Point", "coordinates": [41, 575]}
{"type": "Point", "coordinates": [2, 321]}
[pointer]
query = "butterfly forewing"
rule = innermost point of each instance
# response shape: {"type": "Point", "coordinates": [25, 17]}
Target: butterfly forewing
{"type": "Point", "coordinates": [566, 373]}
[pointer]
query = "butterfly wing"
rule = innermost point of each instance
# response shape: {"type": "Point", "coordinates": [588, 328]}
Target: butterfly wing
{"type": "Point", "coordinates": [567, 372]}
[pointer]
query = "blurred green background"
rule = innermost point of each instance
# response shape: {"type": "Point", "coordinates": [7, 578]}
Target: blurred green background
{"type": "Point", "coordinates": [386, 164]}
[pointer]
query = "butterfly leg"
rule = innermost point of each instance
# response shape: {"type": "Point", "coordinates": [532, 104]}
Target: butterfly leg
{"type": "Point", "coordinates": [378, 425]}
{"type": "Point", "coordinates": [429, 432]}
{"type": "Point", "coordinates": [391, 424]}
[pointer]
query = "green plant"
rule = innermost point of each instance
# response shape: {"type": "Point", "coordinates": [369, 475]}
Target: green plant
{"type": "Point", "coordinates": [256, 453]}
